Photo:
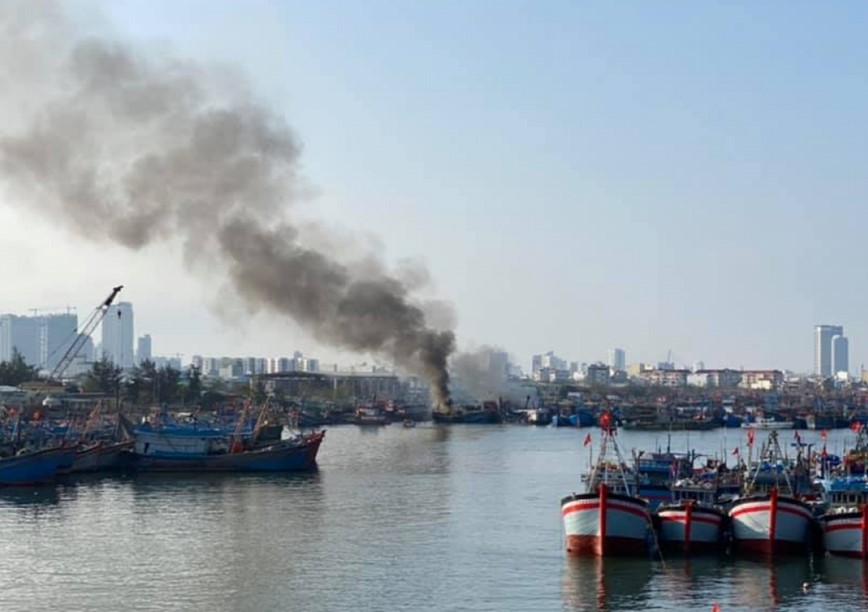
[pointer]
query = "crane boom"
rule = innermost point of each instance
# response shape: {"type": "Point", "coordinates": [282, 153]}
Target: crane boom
{"type": "Point", "coordinates": [87, 329]}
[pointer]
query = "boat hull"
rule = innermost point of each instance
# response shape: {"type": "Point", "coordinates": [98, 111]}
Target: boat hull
{"type": "Point", "coordinates": [99, 458]}
{"type": "Point", "coordinates": [771, 525]}
{"type": "Point", "coordinates": [32, 468]}
{"type": "Point", "coordinates": [606, 524]}
{"type": "Point", "coordinates": [481, 418]}
{"type": "Point", "coordinates": [768, 425]}
{"type": "Point", "coordinates": [371, 421]}
{"type": "Point", "coordinates": [846, 533]}
{"type": "Point", "coordinates": [282, 457]}
{"type": "Point", "coordinates": [691, 528]}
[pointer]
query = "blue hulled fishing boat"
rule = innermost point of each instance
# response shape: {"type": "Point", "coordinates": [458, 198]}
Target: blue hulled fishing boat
{"type": "Point", "coordinates": [186, 449]}
{"type": "Point", "coordinates": [32, 468]}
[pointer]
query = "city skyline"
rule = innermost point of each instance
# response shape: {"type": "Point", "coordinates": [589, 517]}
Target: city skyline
{"type": "Point", "coordinates": [560, 151]}
{"type": "Point", "coordinates": [118, 328]}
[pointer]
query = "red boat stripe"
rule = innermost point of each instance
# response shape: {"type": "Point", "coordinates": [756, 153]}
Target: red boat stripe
{"type": "Point", "coordinates": [612, 506]}
{"type": "Point", "coordinates": [764, 508]}
{"type": "Point", "coordinates": [842, 526]}
{"type": "Point", "coordinates": [696, 518]}
{"type": "Point", "coordinates": [863, 526]}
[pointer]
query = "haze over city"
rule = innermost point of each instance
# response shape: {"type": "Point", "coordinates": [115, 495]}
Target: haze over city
{"type": "Point", "coordinates": [570, 178]}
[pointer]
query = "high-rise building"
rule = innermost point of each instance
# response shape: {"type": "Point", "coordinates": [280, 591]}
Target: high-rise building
{"type": "Point", "coordinates": [143, 349]}
{"type": "Point", "coordinates": [21, 335]}
{"type": "Point", "coordinates": [57, 332]}
{"type": "Point", "coordinates": [823, 335]}
{"type": "Point", "coordinates": [117, 335]}
{"type": "Point", "coordinates": [548, 361]}
{"type": "Point", "coordinates": [41, 340]}
{"type": "Point", "coordinates": [840, 355]}
{"type": "Point", "coordinates": [617, 359]}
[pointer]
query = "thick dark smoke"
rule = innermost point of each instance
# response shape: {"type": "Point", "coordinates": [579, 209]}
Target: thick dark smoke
{"type": "Point", "coordinates": [131, 148]}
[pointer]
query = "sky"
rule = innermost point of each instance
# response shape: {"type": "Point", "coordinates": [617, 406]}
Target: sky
{"type": "Point", "coordinates": [678, 176]}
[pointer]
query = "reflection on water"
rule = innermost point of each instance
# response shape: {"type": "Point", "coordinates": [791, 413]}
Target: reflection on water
{"type": "Point", "coordinates": [401, 519]}
{"type": "Point", "coordinates": [847, 579]}
{"type": "Point", "coordinates": [684, 584]}
{"type": "Point", "coordinates": [781, 585]}
{"type": "Point", "coordinates": [606, 584]}
{"type": "Point", "coordinates": [29, 497]}
{"type": "Point", "coordinates": [777, 584]}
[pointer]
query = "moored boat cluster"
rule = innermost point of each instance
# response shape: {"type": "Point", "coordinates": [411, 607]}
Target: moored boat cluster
{"type": "Point", "coordinates": [773, 505]}
{"type": "Point", "coordinates": [255, 440]}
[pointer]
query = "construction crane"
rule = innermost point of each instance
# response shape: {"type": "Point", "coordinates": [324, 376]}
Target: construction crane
{"type": "Point", "coordinates": [87, 329]}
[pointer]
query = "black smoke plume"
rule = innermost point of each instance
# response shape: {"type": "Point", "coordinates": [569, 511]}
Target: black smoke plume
{"type": "Point", "coordinates": [130, 147]}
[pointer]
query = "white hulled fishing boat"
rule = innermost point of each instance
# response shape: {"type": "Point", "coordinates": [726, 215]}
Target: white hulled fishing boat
{"type": "Point", "coordinates": [770, 519]}
{"type": "Point", "coordinates": [608, 519]}
{"type": "Point", "coordinates": [845, 523]}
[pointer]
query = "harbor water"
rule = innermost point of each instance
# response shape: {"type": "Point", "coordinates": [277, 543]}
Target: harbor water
{"type": "Point", "coordinates": [426, 518]}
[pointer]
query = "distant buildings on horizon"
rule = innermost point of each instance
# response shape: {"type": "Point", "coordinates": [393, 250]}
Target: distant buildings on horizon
{"type": "Point", "coordinates": [43, 339]}
{"type": "Point", "coordinates": [831, 351]}
{"type": "Point", "coordinates": [831, 360]}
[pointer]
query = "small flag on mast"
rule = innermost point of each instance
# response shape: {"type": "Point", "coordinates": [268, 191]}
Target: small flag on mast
{"type": "Point", "coordinates": [735, 451]}
{"type": "Point", "coordinates": [587, 439]}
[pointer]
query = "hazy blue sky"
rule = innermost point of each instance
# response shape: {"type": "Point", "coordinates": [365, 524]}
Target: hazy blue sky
{"type": "Point", "coordinates": [576, 175]}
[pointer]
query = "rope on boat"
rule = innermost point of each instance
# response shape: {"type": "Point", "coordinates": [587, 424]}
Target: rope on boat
{"type": "Point", "coordinates": [659, 549]}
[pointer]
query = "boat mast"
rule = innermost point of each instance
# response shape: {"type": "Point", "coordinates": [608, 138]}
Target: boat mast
{"type": "Point", "coordinates": [609, 430]}
{"type": "Point", "coordinates": [771, 449]}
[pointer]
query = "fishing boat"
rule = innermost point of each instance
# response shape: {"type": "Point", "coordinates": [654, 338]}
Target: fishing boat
{"type": "Point", "coordinates": [608, 518]}
{"type": "Point", "coordinates": [169, 447]}
{"type": "Point", "coordinates": [690, 526]}
{"type": "Point", "coordinates": [538, 416]}
{"type": "Point", "coordinates": [32, 468]}
{"type": "Point", "coordinates": [845, 523]}
{"type": "Point", "coordinates": [579, 418]}
{"type": "Point", "coordinates": [173, 449]}
{"type": "Point", "coordinates": [656, 472]}
{"type": "Point", "coordinates": [99, 456]}
{"type": "Point", "coordinates": [486, 413]}
{"type": "Point", "coordinates": [370, 415]}
{"type": "Point", "coordinates": [694, 522]}
{"type": "Point", "coordinates": [770, 518]}
{"type": "Point", "coordinates": [767, 423]}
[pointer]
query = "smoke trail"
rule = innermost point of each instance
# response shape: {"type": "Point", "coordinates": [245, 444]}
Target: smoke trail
{"type": "Point", "coordinates": [133, 149]}
{"type": "Point", "coordinates": [482, 374]}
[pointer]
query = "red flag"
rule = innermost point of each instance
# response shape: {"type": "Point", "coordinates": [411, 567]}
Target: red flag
{"type": "Point", "coordinates": [797, 437]}
{"type": "Point", "coordinates": [735, 451]}
{"type": "Point", "coordinates": [824, 435]}
{"type": "Point", "coordinates": [750, 435]}
{"type": "Point", "coordinates": [824, 451]}
{"type": "Point", "coordinates": [856, 426]}
{"type": "Point", "coordinates": [587, 439]}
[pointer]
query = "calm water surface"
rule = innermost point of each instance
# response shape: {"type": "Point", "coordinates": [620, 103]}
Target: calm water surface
{"type": "Point", "coordinates": [430, 518]}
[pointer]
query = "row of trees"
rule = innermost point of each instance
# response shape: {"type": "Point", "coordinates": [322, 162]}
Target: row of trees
{"type": "Point", "coordinates": [146, 383]}
{"type": "Point", "coordinates": [16, 371]}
